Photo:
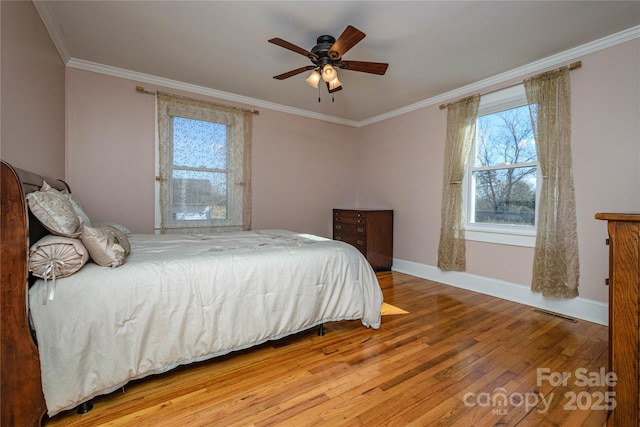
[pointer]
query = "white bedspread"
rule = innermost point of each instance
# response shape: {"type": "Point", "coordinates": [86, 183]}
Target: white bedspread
{"type": "Point", "coordinates": [180, 299]}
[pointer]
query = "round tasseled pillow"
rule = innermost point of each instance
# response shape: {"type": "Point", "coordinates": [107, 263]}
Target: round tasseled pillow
{"type": "Point", "coordinates": [57, 254]}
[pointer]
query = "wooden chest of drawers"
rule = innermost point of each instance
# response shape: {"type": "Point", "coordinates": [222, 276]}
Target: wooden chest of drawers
{"type": "Point", "coordinates": [624, 315]}
{"type": "Point", "coordinates": [369, 230]}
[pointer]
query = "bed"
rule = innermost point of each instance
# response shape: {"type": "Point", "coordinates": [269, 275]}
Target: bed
{"type": "Point", "coordinates": [177, 299]}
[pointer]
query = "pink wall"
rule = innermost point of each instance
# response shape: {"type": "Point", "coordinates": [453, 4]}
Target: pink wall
{"type": "Point", "coordinates": [33, 97]}
{"type": "Point", "coordinates": [110, 149]}
{"type": "Point", "coordinates": [606, 149]}
{"type": "Point", "coordinates": [302, 167]}
{"type": "Point", "coordinates": [401, 166]}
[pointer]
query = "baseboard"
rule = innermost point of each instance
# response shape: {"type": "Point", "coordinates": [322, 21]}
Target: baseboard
{"type": "Point", "coordinates": [580, 308]}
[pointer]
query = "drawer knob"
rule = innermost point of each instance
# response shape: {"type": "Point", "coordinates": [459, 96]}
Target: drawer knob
{"type": "Point", "coordinates": [360, 230]}
{"type": "Point", "coordinates": [360, 242]}
{"type": "Point", "coordinates": [338, 227]}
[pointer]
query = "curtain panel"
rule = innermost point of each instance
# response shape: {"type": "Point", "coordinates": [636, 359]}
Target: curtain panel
{"type": "Point", "coordinates": [238, 157]}
{"type": "Point", "coordinates": [555, 267]}
{"type": "Point", "coordinates": [461, 130]}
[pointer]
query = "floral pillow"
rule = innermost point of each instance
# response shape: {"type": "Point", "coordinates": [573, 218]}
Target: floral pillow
{"type": "Point", "coordinates": [55, 211]}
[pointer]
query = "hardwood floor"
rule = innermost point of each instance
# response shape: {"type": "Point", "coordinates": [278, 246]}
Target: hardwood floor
{"type": "Point", "coordinates": [447, 360]}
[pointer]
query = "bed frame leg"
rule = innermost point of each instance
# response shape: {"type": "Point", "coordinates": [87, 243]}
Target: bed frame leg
{"type": "Point", "coordinates": [85, 407]}
{"type": "Point", "coordinates": [321, 330]}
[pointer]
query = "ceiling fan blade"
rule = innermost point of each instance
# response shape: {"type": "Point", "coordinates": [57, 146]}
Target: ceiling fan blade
{"type": "Point", "coordinates": [294, 72]}
{"type": "Point", "coordinates": [285, 44]}
{"type": "Point", "coordinates": [364, 66]}
{"type": "Point", "coordinates": [348, 39]}
{"type": "Point", "coordinates": [334, 89]}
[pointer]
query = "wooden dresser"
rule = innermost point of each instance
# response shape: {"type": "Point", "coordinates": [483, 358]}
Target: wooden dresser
{"type": "Point", "coordinates": [369, 230]}
{"type": "Point", "coordinates": [624, 316]}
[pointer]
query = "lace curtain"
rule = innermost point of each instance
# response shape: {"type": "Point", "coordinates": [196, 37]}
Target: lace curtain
{"type": "Point", "coordinates": [555, 266]}
{"type": "Point", "coordinates": [228, 133]}
{"type": "Point", "coordinates": [461, 130]}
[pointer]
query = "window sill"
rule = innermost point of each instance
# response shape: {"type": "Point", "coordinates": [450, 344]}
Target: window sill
{"type": "Point", "coordinates": [500, 236]}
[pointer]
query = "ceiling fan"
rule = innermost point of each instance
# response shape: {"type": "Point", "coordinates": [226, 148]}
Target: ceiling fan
{"type": "Point", "coordinates": [327, 55]}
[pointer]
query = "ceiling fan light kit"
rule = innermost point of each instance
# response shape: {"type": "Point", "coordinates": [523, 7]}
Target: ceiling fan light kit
{"type": "Point", "coordinates": [334, 84]}
{"type": "Point", "coordinates": [313, 79]}
{"type": "Point", "coordinates": [327, 55]}
{"type": "Point", "coordinates": [329, 73]}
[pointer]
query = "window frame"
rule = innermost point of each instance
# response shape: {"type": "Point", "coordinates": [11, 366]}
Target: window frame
{"type": "Point", "coordinates": [234, 211]}
{"type": "Point", "coordinates": [237, 168]}
{"type": "Point", "coordinates": [513, 235]}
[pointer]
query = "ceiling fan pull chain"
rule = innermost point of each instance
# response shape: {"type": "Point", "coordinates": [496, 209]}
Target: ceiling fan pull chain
{"type": "Point", "coordinates": [318, 93]}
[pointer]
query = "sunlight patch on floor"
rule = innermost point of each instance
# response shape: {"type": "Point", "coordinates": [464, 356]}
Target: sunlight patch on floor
{"type": "Point", "coordinates": [391, 309]}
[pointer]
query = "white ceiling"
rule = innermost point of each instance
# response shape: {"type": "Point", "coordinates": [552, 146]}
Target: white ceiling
{"type": "Point", "coordinates": [432, 47]}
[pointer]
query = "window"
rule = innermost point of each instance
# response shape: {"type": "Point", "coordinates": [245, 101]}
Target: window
{"type": "Point", "coordinates": [199, 171]}
{"type": "Point", "coordinates": [203, 166]}
{"type": "Point", "coordinates": [502, 172]}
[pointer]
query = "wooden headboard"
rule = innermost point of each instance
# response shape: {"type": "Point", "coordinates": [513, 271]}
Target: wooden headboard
{"type": "Point", "coordinates": [20, 385]}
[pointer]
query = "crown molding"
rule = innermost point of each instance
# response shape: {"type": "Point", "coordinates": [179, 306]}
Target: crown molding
{"type": "Point", "coordinates": [50, 23]}
{"type": "Point", "coordinates": [534, 67]}
{"type": "Point", "coordinates": [187, 87]}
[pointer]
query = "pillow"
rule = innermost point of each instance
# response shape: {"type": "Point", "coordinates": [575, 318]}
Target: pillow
{"type": "Point", "coordinates": [79, 209]}
{"type": "Point", "coordinates": [65, 256]}
{"type": "Point", "coordinates": [54, 257]}
{"type": "Point", "coordinates": [119, 237]}
{"type": "Point", "coordinates": [122, 228]}
{"type": "Point", "coordinates": [102, 247]}
{"type": "Point", "coordinates": [55, 211]}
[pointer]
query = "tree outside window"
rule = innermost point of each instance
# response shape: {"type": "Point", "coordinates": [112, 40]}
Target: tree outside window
{"type": "Point", "coordinates": [503, 170]}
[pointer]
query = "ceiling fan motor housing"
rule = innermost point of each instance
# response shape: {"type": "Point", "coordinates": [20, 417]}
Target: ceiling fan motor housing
{"type": "Point", "coordinates": [322, 51]}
